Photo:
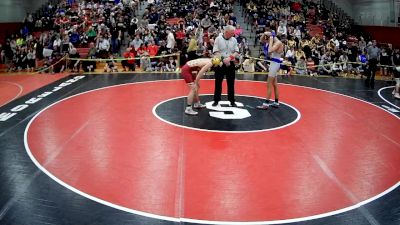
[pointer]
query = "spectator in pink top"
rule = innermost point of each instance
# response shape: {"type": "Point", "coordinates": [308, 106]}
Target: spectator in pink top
{"type": "Point", "coordinates": [238, 31]}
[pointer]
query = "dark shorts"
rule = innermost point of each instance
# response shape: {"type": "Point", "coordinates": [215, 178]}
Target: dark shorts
{"type": "Point", "coordinates": [187, 74]}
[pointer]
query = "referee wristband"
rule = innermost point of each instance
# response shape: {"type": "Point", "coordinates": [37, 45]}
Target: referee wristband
{"type": "Point", "coordinates": [231, 57]}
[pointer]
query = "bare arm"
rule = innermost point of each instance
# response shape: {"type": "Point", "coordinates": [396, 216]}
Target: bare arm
{"type": "Point", "coordinates": [275, 46]}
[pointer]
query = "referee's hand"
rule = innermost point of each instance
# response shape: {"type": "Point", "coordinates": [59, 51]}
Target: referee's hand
{"type": "Point", "coordinates": [227, 61]}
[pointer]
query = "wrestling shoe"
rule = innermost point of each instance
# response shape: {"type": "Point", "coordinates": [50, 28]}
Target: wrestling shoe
{"type": "Point", "coordinates": [190, 111]}
{"type": "Point", "coordinates": [274, 104]}
{"type": "Point", "coordinates": [198, 105]}
{"type": "Point", "coordinates": [264, 106]}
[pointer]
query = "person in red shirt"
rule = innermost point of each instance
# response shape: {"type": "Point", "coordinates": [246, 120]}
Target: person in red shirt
{"type": "Point", "coordinates": [311, 69]}
{"type": "Point", "coordinates": [130, 63]}
{"type": "Point", "coordinates": [201, 66]}
{"type": "Point", "coordinates": [296, 6]}
{"type": "Point", "coordinates": [141, 50]}
{"type": "Point", "coordinates": [180, 35]}
{"type": "Point", "coordinates": [152, 49]}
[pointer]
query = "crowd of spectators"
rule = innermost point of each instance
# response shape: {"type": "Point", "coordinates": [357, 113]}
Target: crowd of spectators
{"type": "Point", "coordinates": [185, 27]}
{"type": "Point", "coordinates": [333, 51]}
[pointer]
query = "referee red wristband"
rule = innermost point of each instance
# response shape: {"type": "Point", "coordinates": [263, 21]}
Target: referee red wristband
{"type": "Point", "coordinates": [231, 57]}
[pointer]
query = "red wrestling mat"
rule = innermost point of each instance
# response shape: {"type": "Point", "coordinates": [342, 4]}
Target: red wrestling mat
{"type": "Point", "coordinates": [107, 145]}
{"type": "Point", "coordinates": [15, 86]}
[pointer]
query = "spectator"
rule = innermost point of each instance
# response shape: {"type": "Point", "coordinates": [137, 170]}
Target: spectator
{"type": "Point", "coordinates": [91, 34]}
{"type": "Point", "coordinates": [170, 65]}
{"type": "Point", "coordinates": [152, 49]}
{"type": "Point", "coordinates": [206, 22]}
{"type": "Point", "coordinates": [136, 43]}
{"type": "Point", "coordinates": [145, 63]}
{"type": "Point", "coordinates": [130, 62]}
{"type": "Point", "coordinates": [290, 55]}
{"type": "Point", "coordinates": [385, 60]}
{"type": "Point", "coordinates": [31, 59]}
{"type": "Point", "coordinates": [103, 47]}
{"type": "Point", "coordinates": [59, 63]}
{"type": "Point", "coordinates": [180, 36]}
{"type": "Point", "coordinates": [362, 44]}
{"type": "Point", "coordinates": [344, 63]}
{"type": "Point", "coordinates": [282, 30]}
{"type": "Point", "coordinates": [170, 41]}
{"type": "Point", "coordinates": [299, 54]}
{"type": "Point", "coordinates": [89, 65]}
{"type": "Point", "coordinates": [311, 69]}
{"type": "Point", "coordinates": [396, 70]}
{"type": "Point", "coordinates": [192, 49]}
{"type": "Point", "coordinates": [363, 60]}
{"type": "Point", "coordinates": [57, 44]}
{"type": "Point", "coordinates": [74, 65]}
{"type": "Point", "coordinates": [111, 65]}
{"type": "Point", "coordinates": [301, 66]}
{"type": "Point", "coordinates": [325, 66]}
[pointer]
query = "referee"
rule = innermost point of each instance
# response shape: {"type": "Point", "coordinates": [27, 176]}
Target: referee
{"type": "Point", "coordinates": [226, 46]}
{"type": "Point", "coordinates": [373, 59]}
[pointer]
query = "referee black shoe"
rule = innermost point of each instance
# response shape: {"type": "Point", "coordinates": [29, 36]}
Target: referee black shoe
{"type": "Point", "coordinates": [215, 104]}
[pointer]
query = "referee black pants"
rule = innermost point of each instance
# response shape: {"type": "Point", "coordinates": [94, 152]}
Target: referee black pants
{"type": "Point", "coordinates": [220, 73]}
{"type": "Point", "coordinates": [372, 68]}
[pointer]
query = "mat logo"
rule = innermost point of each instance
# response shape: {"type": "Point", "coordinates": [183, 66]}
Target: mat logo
{"type": "Point", "coordinates": [224, 111]}
{"type": "Point", "coordinates": [14, 111]}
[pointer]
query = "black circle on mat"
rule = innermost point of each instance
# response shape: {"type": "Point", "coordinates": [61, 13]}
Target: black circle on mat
{"type": "Point", "coordinates": [172, 111]}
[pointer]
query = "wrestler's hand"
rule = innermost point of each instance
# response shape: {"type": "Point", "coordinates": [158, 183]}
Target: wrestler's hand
{"type": "Point", "coordinates": [267, 33]}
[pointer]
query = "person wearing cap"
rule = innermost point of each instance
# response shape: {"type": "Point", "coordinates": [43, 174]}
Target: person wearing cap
{"type": "Point", "coordinates": [226, 46]}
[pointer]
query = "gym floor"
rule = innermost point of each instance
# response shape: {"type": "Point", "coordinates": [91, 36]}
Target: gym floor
{"type": "Point", "coordinates": [118, 149]}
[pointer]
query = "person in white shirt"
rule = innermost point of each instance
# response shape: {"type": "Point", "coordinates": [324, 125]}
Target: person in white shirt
{"type": "Point", "coordinates": [136, 43]}
{"type": "Point", "coordinates": [226, 46]}
{"type": "Point", "coordinates": [170, 40]}
{"type": "Point", "coordinates": [57, 44]}
{"type": "Point", "coordinates": [103, 46]}
{"type": "Point", "coordinates": [343, 61]}
{"type": "Point", "coordinates": [336, 41]}
{"type": "Point", "coordinates": [290, 55]}
{"type": "Point", "coordinates": [212, 4]}
{"type": "Point", "coordinates": [297, 33]}
{"type": "Point", "coordinates": [282, 30]}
